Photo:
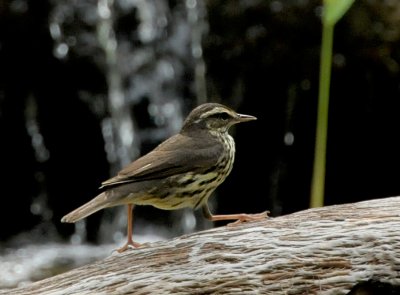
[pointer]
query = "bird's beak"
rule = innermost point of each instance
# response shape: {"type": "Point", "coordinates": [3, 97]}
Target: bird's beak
{"type": "Point", "coordinates": [245, 118]}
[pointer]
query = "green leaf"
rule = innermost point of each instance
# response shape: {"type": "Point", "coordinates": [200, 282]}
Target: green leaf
{"type": "Point", "coordinates": [334, 10]}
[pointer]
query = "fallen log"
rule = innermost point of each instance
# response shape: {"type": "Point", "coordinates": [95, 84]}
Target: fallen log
{"type": "Point", "coordinates": [317, 251]}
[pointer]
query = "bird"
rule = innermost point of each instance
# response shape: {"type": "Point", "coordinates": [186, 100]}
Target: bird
{"type": "Point", "coordinates": [182, 171]}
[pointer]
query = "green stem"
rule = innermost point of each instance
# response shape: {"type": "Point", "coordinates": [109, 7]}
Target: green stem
{"type": "Point", "coordinates": [318, 180]}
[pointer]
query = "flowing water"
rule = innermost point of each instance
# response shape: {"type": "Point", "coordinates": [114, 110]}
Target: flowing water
{"type": "Point", "coordinates": [150, 54]}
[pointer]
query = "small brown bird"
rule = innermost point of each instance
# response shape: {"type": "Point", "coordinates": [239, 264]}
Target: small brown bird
{"type": "Point", "coordinates": [181, 172]}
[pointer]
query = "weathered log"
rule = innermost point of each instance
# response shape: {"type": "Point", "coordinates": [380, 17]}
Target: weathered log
{"type": "Point", "coordinates": [317, 251]}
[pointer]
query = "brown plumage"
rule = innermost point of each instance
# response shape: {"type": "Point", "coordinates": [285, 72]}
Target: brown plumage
{"type": "Point", "coordinates": [181, 172]}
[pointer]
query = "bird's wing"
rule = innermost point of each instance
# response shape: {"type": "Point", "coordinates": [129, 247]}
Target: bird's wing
{"type": "Point", "coordinates": [173, 156]}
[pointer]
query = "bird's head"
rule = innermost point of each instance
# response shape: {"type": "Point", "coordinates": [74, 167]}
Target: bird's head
{"type": "Point", "coordinates": [214, 117]}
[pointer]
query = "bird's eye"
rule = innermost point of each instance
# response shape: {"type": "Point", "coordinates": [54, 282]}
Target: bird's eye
{"type": "Point", "coordinates": [221, 116]}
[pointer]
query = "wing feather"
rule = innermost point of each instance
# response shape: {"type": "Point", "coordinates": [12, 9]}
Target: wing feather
{"type": "Point", "coordinates": [173, 156]}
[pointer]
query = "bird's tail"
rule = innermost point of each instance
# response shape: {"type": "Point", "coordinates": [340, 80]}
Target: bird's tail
{"type": "Point", "coordinates": [96, 204]}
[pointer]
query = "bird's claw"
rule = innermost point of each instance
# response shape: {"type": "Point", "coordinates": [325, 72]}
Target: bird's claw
{"type": "Point", "coordinates": [250, 217]}
{"type": "Point", "coordinates": [128, 245]}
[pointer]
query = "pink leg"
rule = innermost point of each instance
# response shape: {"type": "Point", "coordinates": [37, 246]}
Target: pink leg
{"type": "Point", "coordinates": [239, 218]}
{"type": "Point", "coordinates": [129, 243]}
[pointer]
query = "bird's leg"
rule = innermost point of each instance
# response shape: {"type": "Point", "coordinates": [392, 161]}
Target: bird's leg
{"type": "Point", "coordinates": [129, 242]}
{"type": "Point", "coordinates": [239, 218]}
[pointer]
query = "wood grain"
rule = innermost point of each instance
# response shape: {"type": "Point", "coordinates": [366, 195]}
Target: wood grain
{"type": "Point", "coordinates": [317, 251]}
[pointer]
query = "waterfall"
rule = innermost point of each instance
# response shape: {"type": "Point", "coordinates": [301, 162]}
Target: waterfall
{"type": "Point", "coordinates": [151, 58]}
{"type": "Point", "coordinates": [122, 73]}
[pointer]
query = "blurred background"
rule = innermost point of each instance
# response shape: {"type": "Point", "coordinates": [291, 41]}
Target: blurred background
{"type": "Point", "coordinates": [88, 86]}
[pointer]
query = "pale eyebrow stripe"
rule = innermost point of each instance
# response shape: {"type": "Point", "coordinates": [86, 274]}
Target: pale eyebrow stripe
{"type": "Point", "coordinates": [213, 111]}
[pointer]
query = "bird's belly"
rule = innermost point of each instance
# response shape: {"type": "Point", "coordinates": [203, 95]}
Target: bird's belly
{"type": "Point", "coordinates": [180, 192]}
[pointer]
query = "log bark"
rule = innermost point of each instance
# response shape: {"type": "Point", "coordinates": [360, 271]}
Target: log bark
{"type": "Point", "coordinates": [317, 251]}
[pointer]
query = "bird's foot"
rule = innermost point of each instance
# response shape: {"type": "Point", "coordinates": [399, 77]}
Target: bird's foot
{"type": "Point", "coordinates": [249, 217]}
{"type": "Point", "coordinates": [128, 245]}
